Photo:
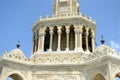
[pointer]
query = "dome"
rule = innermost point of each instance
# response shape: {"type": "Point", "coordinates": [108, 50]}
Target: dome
{"type": "Point", "coordinates": [102, 50]}
{"type": "Point", "coordinates": [17, 53]}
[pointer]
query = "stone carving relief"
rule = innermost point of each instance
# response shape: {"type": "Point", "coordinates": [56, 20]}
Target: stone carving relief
{"type": "Point", "coordinates": [61, 58]}
{"type": "Point", "coordinates": [57, 77]}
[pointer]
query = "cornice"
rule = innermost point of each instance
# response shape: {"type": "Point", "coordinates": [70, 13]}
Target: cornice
{"type": "Point", "coordinates": [62, 20]}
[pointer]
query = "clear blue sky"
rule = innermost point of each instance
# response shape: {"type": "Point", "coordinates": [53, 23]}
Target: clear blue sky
{"type": "Point", "coordinates": [18, 16]}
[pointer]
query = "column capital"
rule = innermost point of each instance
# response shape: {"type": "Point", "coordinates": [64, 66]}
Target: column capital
{"type": "Point", "coordinates": [92, 35]}
{"type": "Point", "coordinates": [80, 31]}
{"type": "Point", "coordinates": [51, 32]}
{"type": "Point", "coordinates": [86, 33]}
{"type": "Point", "coordinates": [41, 33]}
{"type": "Point", "coordinates": [59, 31]}
{"type": "Point", "coordinates": [67, 31]}
{"type": "Point", "coordinates": [76, 30]}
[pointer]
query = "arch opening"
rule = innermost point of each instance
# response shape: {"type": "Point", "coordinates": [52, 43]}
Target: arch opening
{"type": "Point", "coordinates": [99, 77]}
{"type": "Point", "coordinates": [14, 77]}
{"type": "Point", "coordinates": [47, 39]}
{"type": "Point", "coordinates": [84, 39]}
{"type": "Point", "coordinates": [72, 38]}
{"type": "Point", "coordinates": [55, 39]}
{"type": "Point", "coordinates": [63, 38]}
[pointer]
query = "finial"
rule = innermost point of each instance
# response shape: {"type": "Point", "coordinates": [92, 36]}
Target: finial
{"type": "Point", "coordinates": [18, 44]}
{"type": "Point", "coordinates": [102, 40]}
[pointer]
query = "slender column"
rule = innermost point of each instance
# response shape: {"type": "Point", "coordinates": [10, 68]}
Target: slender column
{"type": "Point", "coordinates": [93, 42]}
{"type": "Point", "coordinates": [76, 34]}
{"type": "Point", "coordinates": [86, 40]}
{"type": "Point", "coordinates": [39, 43]}
{"type": "Point", "coordinates": [51, 39]}
{"type": "Point", "coordinates": [78, 39]}
{"type": "Point", "coordinates": [59, 39]}
{"type": "Point", "coordinates": [67, 43]}
{"type": "Point", "coordinates": [80, 36]}
{"type": "Point", "coordinates": [43, 39]}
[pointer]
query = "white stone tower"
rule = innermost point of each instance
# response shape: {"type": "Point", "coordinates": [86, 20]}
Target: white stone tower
{"type": "Point", "coordinates": [63, 49]}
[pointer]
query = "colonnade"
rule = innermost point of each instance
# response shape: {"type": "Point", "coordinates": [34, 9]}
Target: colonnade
{"type": "Point", "coordinates": [64, 38]}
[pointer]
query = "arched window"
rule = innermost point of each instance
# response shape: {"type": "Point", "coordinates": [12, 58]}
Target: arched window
{"type": "Point", "coordinates": [47, 39]}
{"type": "Point", "coordinates": [14, 77]}
{"type": "Point", "coordinates": [99, 77]}
{"type": "Point", "coordinates": [117, 77]}
{"type": "Point", "coordinates": [84, 39]}
{"type": "Point", "coordinates": [90, 40]}
{"type": "Point", "coordinates": [72, 38]}
{"type": "Point", "coordinates": [55, 39]}
{"type": "Point", "coordinates": [63, 38]}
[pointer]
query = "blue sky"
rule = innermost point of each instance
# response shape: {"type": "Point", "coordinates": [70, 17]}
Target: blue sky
{"type": "Point", "coordinates": [18, 16]}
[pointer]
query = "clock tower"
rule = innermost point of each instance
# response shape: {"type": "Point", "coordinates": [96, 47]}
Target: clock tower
{"type": "Point", "coordinates": [63, 8]}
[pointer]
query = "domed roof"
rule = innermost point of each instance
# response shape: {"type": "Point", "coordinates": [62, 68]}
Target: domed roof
{"type": "Point", "coordinates": [17, 53]}
{"type": "Point", "coordinates": [103, 49]}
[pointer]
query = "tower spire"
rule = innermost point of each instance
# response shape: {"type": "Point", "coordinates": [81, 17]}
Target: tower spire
{"type": "Point", "coordinates": [63, 8]}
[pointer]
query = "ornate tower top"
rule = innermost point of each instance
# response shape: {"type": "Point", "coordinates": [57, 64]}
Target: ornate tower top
{"type": "Point", "coordinates": [66, 32]}
{"type": "Point", "coordinates": [65, 7]}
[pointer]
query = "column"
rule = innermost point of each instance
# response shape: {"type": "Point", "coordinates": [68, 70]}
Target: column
{"type": "Point", "coordinates": [39, 43]}
{"type": "Point", "coordinates": [80, 44]}
{"type": "Point", "coordinates": [42, 40]}
{"type": "Point", "coordinates": [87, 40]}
{"type": "Point", "coordinates": [67, 42]}
{"type": "Point", "coordinates": [51, 39]}
{"type": "Point", "coordinates": [76, 34]}
{"type": "Point", "coordinates": [59, 39]}
{"type": "Point", "coordinates": [93, 42]}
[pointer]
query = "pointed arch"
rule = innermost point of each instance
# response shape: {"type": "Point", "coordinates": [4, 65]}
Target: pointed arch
{"type": "Point", "coordinates": [84, 38]}
{"type": "Point", "coordinates": [47, 39]}
{"type": "Point", "coordinates": [55, 39]}
{"type": "Point", "coordinates": [72, 38]}
{"type": "Point", "coordinates": [63, 38]}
